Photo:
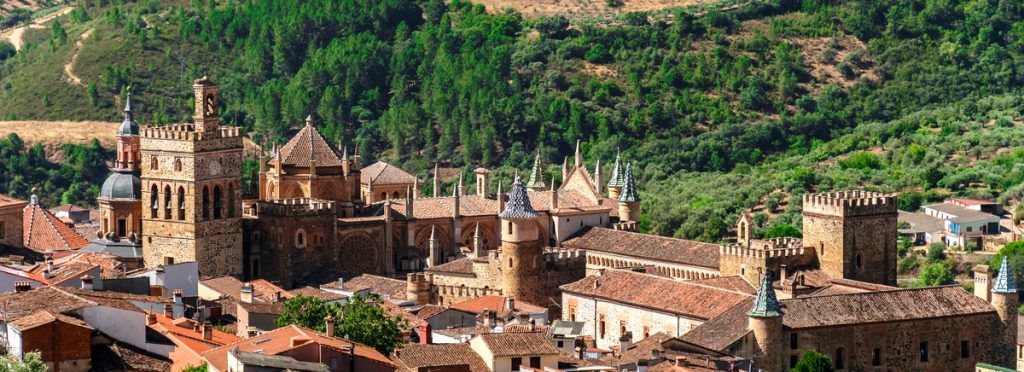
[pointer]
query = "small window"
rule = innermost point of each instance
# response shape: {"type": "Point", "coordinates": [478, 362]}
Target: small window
{"type": "Point", "coordinates": [154, 164]}
{"type": "Point", "coordinates": [535, 362]}
{"type": "Point", "coordinates": [793, 341]}
{"type": "Point", "coordinates": [516, 362]}
{"type": "Point", "coordinates": [924, 351]}
{"type": "Point", "coordinates": [300, 239]}
{"type": "Point", "coordinates": [510, 262]}
{"type": "Point", "coordinates": [793, 360]}
{"type": "Point", "coordinates": [561, 344]}
{"type": "Point", "coordinates": [840, 360]}
{"type": "Point", "coordinates": [647, 331]}
{"type": "Point", "coordinates": [969, 228]}
{"type": "Point", "coordinates": [177, 165]}
{"type": "Point", "coordinates": [510, 227]}
{"type": "Point", "coordinates": [3, 230]}
{"type": "Point", "coordinates": [601, 327]}
{"type": "Point", "coordinates": [255, 270]}
{"type": "Point", "coordinates": [876, 357]}
{"type": "Point", "coordinates": [122, 227]}
{"type": "Point", "coordinates": [860, 263]}
{"type": "Point", "coordinates": [168, 260]}
{"type": "Point", "coordinates": [965, 349]}
{"type": "Point", "coordinates": [622, 327]}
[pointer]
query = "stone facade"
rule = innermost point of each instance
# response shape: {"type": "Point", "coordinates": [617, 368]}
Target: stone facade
{"type": "Point", "coordinates": [191, 191]}
{"type": "Point", "coordinates": [854, 234]}
{"type": "Point", "coordinates": [607, 321]}
{"type": "Point", "coordinates": [11, 229]}
{"type": "Point", "coordinates": [753, 261]}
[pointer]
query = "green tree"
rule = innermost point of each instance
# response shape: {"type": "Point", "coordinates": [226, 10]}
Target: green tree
{"type": "Point", "coordinates": [933, 274]}
{"type": "Point", "coordinates": [30, 362]}
{"type": "Point", "coordinates": [306, 311]}
{"type": "Point", "coordinates": [201, 368]}
{"type": "Point", "coordinates": [813, 361]}
{"type": "Point", "coordinates": [361, 319]}
{"type": "Point", "coordinates": [781, 231]}
{"type": "Point", "coordinates": [936, 252]}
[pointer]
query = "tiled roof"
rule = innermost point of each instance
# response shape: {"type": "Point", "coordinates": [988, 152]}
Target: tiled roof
{"type": "Point", "coordinates": [8, 201]}
{"type": "Point", "coordinates": [846, 286]}
{"type": "Point", "coordinates": [618, 177]}
{"type": "Point", "coordinates": [882, 306]}
{"type": "Point", "coordinates": [1004, 281]}
{"type": "Point", "coordinates": [458, 332]}
{"type": "Point", "coordinates": [494, 303]}
{"type": "Point", "coordinates": [379, 285]}
{"type": "Point", "coordinates": [518, 206]}
{"type": "Point", "coordinates": [262, 307]}
{"type": "Point", "coordinates": [416, 356]}
{"type": "Point", "coordinates": [318, 293]}
{"type": "Point", "coordinates": [119, 300]}
{"type": "Point", "coordinates": [229, 286]}
{"type": "Point", "coordinates": [184, 331]}
{"type": "Point", "coordinates": [657, 293]}
{"type": "Point", "coordinates": [567, 328]}
{"type": "Point", "coordinates": [629, 189]}
{"type": "Point", "coordinates": [429, 310]}
{"type": "Point", "coordinates": [276, 362]}
{"type": "Point", "coordinates": [45, 317]}
{"type": "Point", "coordinates": [43, 231]}
{"type": "Point", "coordinates": [279, 340]}
{"type": "Point", "coordinates": [640, 350]}
{"type": "Point", "coordinates": [646, 246]}
{"type": "Point", "coordinates": [309, 144]}
{"type": "Point", "coordinates": [382, 173]}
{"type": "Point", "coordinates": [118, 356]}
{"type": "Point", "coordinates": [65, 271]}
{"type": "Point", "coordinates": [50, 299]}
{"type": "Point", "coordinates": [732, 283]}
{"type": "Point", "coordinates": [460, 266]}
{"type": "Point", "coordinates": [474, 205]}
{"type": "Point", "coordinates": [24, 274]}
{"type": "Point", "coordinates": [723, 330]}
{"type": "Point", "coordinates": [536, 175]}
{"type": "Point", "coordinates": [518, 344]}
{"type": "Point", "coordinates": [67, 208]}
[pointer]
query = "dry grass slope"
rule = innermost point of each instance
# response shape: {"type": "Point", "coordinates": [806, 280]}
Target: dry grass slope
{"type": "Point", "coordinates": [53, 134]}
{"type": "Point", "coordinates": [581, 9]}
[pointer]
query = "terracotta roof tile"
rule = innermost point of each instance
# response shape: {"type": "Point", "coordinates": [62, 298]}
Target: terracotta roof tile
{"type": "Point", "coordinates": [518, 344]}
{"type": "Point", "coordinates": [460, 266]}
{"type": "Point", "coordinates": [119, 300]}
{"type": "Point", "coordinates": [656, 292]}
{"type": "Point", "coordinates": [279, 340]}
{"type": "Point", "coordinates": [379, 285]}
{"type": "Point", "coordinates": [494, 303]}
{"type": "Point", "coordinates": [732, 283]}
{"type": "Point", "coordinates": [231, 287]}
{"type": "Point", "coordinates": [882, 306]}
{"type": "Point", "coordinates": [184, 331]}
{"type": "Point", "coordinates": [429, 310]}
{"type": "Point", "coordinates": [8, 201]}
{"type": "Point", "coordinates": [43, 231]}
{"type": "Point", "coordinates": [124, 357]}
{"type": "Point", "coordinates": [45, 317]}
{"type": "Point", "coordinates": [723, 330]}
{"type": "Point", "coordinates": [416, 356]}
{"type": "Point", "coordinates": [51, 299]}
{"type": "Point", "coordinates": [65, 271]}
{"type": "Point", "coordinates": [382, 173]}
{"type": "Point", "coordinates": [474, 205]}
{"type": "Point", "coordinates": [305, 145]}
{"type": "Point", "coordinates": [318, 293]}
{"type": "Point", "coordinates": [641, 349]}
{"type": "Point", "coordinates": [646, 246]}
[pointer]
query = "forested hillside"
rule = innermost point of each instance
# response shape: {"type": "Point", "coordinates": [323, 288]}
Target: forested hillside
{"type": "Point", "coordinates": [720, 110]}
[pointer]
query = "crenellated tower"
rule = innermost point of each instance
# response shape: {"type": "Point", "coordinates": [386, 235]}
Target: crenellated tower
{"type": "Point", "coordinates": [191, 190]}
{"type": "Point", "coordinates": [853, 233]}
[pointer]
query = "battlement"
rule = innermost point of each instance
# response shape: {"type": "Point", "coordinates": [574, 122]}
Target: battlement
{"type": "Point", "coordinates": [563, 254]}
{"type": "Point", "coordinates": [849, 203]}
{"type": "Point", "coordinates": [295, 207]}
{"type": "Point", "coordinates": [770, 248]}
{"type": "Point", "coordinates": [187, 132]}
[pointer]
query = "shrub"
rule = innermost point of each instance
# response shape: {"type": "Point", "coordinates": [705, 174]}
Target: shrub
{"type": "Point", "coordinates": [936, 252]}
{"type": "Point", "coordinates": [934, 274]}
{"type": "Point", "coordinates": [909, 264]}
{"type": "Point", "coordinates": [813, 361]}
{"type": "Point", "coordinates": [861, 160]}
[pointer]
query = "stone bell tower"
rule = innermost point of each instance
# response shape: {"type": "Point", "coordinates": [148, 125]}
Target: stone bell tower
{"type": "Point", "coordinates": [191, 190]}
{"type": "Point", "coordinates": [521, 258]}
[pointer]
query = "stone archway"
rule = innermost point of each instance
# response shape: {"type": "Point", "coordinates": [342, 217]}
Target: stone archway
{"type": "Point", "coordinates": [485, 233]}
{"type": "Point", "coordinates": [358, 252]}
{"type": "Point", "coordinates": [443, 241]}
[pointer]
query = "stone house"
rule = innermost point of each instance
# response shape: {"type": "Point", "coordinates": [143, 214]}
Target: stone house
{"type": "Point", "coordinates": [297, 348]}
{"type": "Point", "coordinates": [505, 352]}
{"type": "Point", "coordinates": [11, 221]}
{"type": "Point", "coordinates": [62, 341]}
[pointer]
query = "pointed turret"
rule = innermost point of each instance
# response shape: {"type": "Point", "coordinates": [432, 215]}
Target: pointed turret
{"type": "Point", "coordinates": [554, 194]}
{"type": "Point", "coordinates": [478, 242]}
{"type": "Point", "coordinates": [437, 183]}
{"type": "Point", "coordinates": [501, 197]}
{"type": "Point", "coordinates": [579, 155]}
{"type": "Point", "coordinates": [462, 188]}
{"type": "Point", "coordinates": [518, 203]}
{"type": "Point", "coordinates": [128, 127]}
{"type": "Point", "coordinates": [616, 181]}
{"type": "Point", "coordinates": [629, 189]}
{"type": "Point", "coordinates": [1004, 281]}
{"type": "Point", "coordinates": [765, 321]}
{"type": "Point", "coordinates": [565, 168]}
{"type": "Point", "coordinates": [521, 249]}
{"type": "Point", "coordinates": [432, 247]}
{"type": "Point", "coordinates": [597, 176]}
{"type": "Point", "coordinates": [629, 202]}
{"type": "Point", "coordinates": [536, 182]}
{"type": "Point", "coordinates": [408, 203]}
{"type": "Point", "coordinates": [1005, 301]}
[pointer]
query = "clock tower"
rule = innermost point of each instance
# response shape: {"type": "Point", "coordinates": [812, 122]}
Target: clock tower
{"type": "Point", "coordinates": [191, 186]}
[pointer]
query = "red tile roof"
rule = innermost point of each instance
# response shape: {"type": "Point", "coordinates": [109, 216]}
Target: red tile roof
{"type": "Point", "coordinates": [657, 293]}
{"type": "Point", "coordinates": [119, 300]}
{"type": "Point", "coordinates": [518, 344]}
{"type": "Point", "coordinates": [279, 340]}
{"type": "Point", "coordinates": [416, 356]}
{"type": "Point", "coordinates": [494, 303]}
{"type": "Point", "coordinates": [646, 246]}
{"type": "Point", "coordinates": [65, 271]}
{"type": "Point", "coordinates": [393, 288]}
{"type": "Point", "coordinates": [183, 330]}
{"type": "Point", "coordinates": [45, 317]}
{"type": "Point", "coordinates": [305, 145]}
{"type": "Point", "coordinates": [229, 286]}
{"type": "Point", "coordinates": [52, 299]}
{"type": "Point", "coordinates": [318, 293]}
{"type": "Point", "coordinates": [8, 201]}
{"type": "Point", "coordinates": [43, 231]}
{"type": "Point", "coordinates": [732, 283]}
{"type": "Point", "coordinates": [459, 266]}
{"type": "Point", "coordinates": [882, 306]}
{"type": "Point", "coordinates": [382, 173]}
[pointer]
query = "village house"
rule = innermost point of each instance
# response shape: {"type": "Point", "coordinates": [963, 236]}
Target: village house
{"type": "Point", "coordinates": [297, 348]}
{"type": "Point", "coordinates": [963, 226]}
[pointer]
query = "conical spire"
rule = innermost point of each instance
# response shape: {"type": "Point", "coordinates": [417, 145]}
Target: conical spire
{"type": "Point", "coordinates": [1004, 281]}
{"type": "Point", "coordinates": [597, 173]}
{"type": "Point", "coordinates": [565, 168]}
{"type": "Point", "coordinates": [461, 190]}
{"type": "Point", "coordinates": [437, 182]}
{"type": "Point", "coordinates": [579, 155]}
{"type": "Point", "coordinates": [128, 127]}
{"type": "Point", "coordinates": [536, 176]}
{"type": "Point", "coordinates": [616, 180]}
{"type": "Point", "coordinates": [519, 206]}
{"type": "Point", "coordinates": [629, 189]}
{"type": "Point", "coordinates": [309, 120]}
{"type": "Point", "coordinates": [766, 305]}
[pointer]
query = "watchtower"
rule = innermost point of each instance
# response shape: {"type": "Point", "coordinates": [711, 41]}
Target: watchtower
{"type": "Point", "coordinates": [191, 190]}
{"type": "Point", "coordinates": [522, 260]}
{"type": "Point", "coordinates": [853, 233]}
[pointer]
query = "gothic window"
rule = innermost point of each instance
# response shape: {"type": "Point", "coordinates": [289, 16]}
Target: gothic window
{"type": "Point", "coordinates": [218, 202]}
{"type": "Point", "coordinates": [358, 252]}
{"type": "Point", "coordinates": [181, 203]}
{"type": "Point", "coordinates": [394, 195]}
{"type": "Point", "coordinates": [154, 202]}
{"type": "Point", "coordinates": [177, 165]}
{"type": "Point", "coordinates": [206, 203]}
{"type": "Point", "coordinates": [601, 327]}
{"type": "Point", "coordinates": [167, 202]}
{"type": "Point", "coordinates": [154, 164]}
{"type": "Point", "coordinates": [300, 239]}
{"type": "Point", "coordinates": [383, 196]}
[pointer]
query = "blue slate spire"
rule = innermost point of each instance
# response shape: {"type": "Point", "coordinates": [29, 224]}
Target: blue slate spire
{"type": "Point", "coordinates": [629, 188]}
{"type": "Point", "coordinates": [518, 203]}
{"type": "Point", "coordinates": [1004, 281]}
{"type": "Point", "coordinates": [766, 305]}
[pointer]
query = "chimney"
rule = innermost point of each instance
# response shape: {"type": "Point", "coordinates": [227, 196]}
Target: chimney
{"type": "Point", "coordinates": [487, 318]}
{"type": "Point", "coordinates": [277, 296]}
{"type": "Point", "coordinates": [680, 361]}
{"type": "Point", "coordinates": [246, 296]}
{"type": "Point", "coordinates": [207, 332]}
{"type": "Point", "coordinates": [49, 264]}
{"type": "Point", "coordinates": [87, 282]}
{"type": "Point", "coordinates": [341, 283]}
{"type": "Point", "coordinates": [330, 325]}
{"type": "Point", "coordinates": [482, 178]}
{"type": "Point", "coordinates": [510, 304]}
{"type": "Point", "coordinates": [177, 296]}
{"type": "Point", "coordinates": [156, 291]}
{"type": "Point", "coordinates": [425, 333]}
{"type": "Point", "coordinates": [46, 273]}
{"type": "Point", "coordinates": [625, 342]}
{"type": "Point", "coordinates": [533, 324]}
{"type": "Point", "coordinates": [782, 273]}
{"type": "Point", "coordinates": [169, 311]}
{"type": "Point", "coordinates": [20, 287]}
{"type": "Point", "coordinates": [554, 194]}
{"type": "Point", "coordinates": [150, 318]}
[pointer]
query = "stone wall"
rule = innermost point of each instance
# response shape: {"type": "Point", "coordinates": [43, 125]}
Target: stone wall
{"type": "Point", "coordinates": [603, 260]}
{"type": "Point", "coordinates": [854, 234]}
{"type": "Point", "coordinates": [750, 264]}
{"type": "Point", "coordinates": [11, 227]}
{"type": "Point", "coordinates": [641, 322]}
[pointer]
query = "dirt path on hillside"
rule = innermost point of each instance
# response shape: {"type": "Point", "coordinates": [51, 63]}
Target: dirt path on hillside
{"type": "Point", "coordinates": [15, 35]}
{"type": "Point", "coordinates": [69, 68]}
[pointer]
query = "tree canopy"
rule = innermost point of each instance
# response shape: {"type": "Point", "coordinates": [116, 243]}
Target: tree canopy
{"type": "Point", "coordinates": [362, 319]}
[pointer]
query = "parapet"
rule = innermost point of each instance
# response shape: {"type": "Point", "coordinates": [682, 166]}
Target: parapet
{"type": "Point", "coordinates": [769, 248]}
{"type": "Point", "coordinates": [849, 203]}
{"type": "Point", "coordinates": [187, 132]}
{"type": "Point", "coordinates": [295, 207]}
{"type": "Point", "coordinates": [563, 254]}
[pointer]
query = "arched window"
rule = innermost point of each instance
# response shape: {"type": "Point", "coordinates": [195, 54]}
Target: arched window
{"type": "Point", "coordinates": [154, 201]}
{"type": "Point", "coordinates": [840, 358]}
{"type": "Point", "coordinates": [122, 227]}
{"type": "Point", "coordinates": [394, 195]}
{"type": "Point", "coordinates": [384, 196]}
{"type": "Point", "coordinates": [167, 202]}
{"type": "Point", "coordinates": [510, 227]}
{"type": "Point", "coordinates": [218, 202]}
{"type": "Point", "coordinates": [181, 203]}
{"type": "Point", "coordinates": [300, 239]}
{"type": "Point", "coordinates": [177, 165]}
{"type": "Point", "coordinates": [206, 203]}
{"type": "Point", "coordinates": [154, 164]}
{"type": "Point", "coordinates": [510, 262]}
{"type": "Point", "coordinates": [860, 263]}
